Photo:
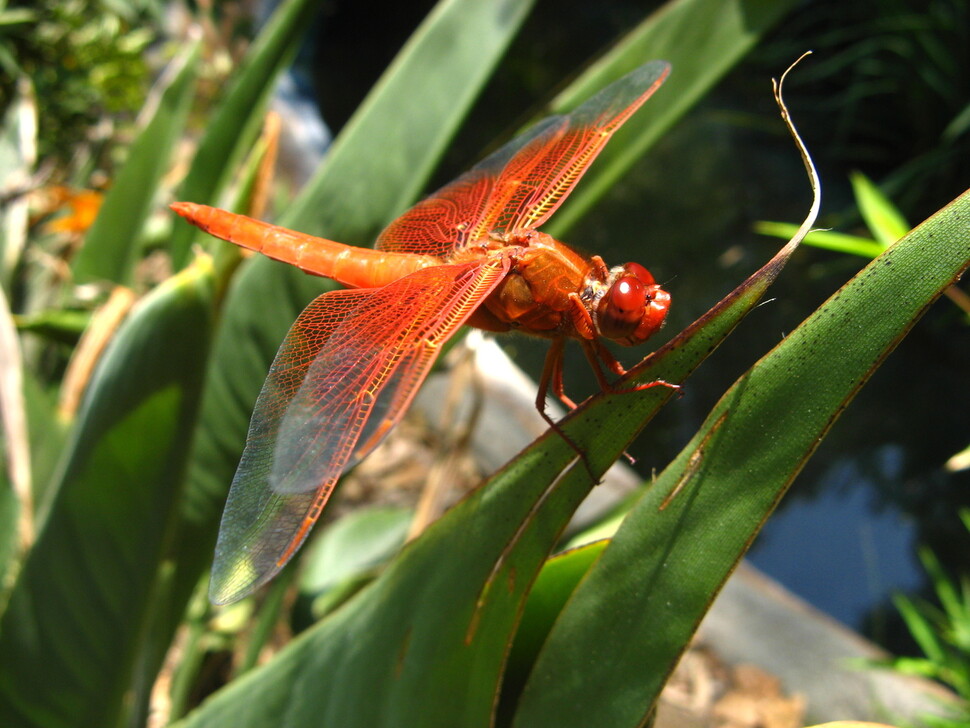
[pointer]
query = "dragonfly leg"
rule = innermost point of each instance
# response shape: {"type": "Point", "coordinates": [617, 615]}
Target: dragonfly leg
{"type": "Point", "coordinates": [552, 377]}
{"type": "Point", "coordinates": [557, 385]}
{"type": "Point", "coordinates": [602, 269]}
{"type": "Point", "coordinates": [596, 352]}
{"type": "Point", "coordinates": [597, 355]}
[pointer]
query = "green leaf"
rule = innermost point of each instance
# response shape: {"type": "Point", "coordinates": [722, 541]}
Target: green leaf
{"type": "Point", "coordinates": [920, 629]}
{"type": "Point", "coordinates": [16, 488]}
{"type": "Point", "coordinates": [839, 242]}
{"type": "Point", "coordinates": [354, 544]}
{"type": "Point", "coordinates": [10, 512]}
{"type": "Point", "coordinates": [420, 632]}
{"type": "Point", "coordinates": [627, 623]}
{"type": "Point", "coordinates": [74, 628]}
{"type": "Point", "coordinates": [48, 433]}
{"type": "Point", "coordinates": [16, 16]}
{"type": "Point", "coordinates": [884, 220]}
{"type": "Point", "coordinates": [702, 40]}
{"type": "Point", "coordinates": [111, 245]}
{"type": "Point", "coordinates": [63, 325]}
{"type": "Point", "coordinates": [552, 589]}
{"type": "Point", "coordinates": [235, 124]}
{"type": "Point", "coordinates": [946, 590]}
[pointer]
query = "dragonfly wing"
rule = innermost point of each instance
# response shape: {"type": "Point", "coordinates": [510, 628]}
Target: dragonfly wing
{"type": "Point", "coordinates": [344, 375]}
{"type": "Point", "coordinates": [450, 218]}
{"type": "Point", "coordinates": [540, 176]}
{"type": "Point", "coordinates": [524, 182]}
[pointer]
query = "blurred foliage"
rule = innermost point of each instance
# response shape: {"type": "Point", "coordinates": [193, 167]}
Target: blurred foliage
{"type": "Point", "coordinates": [941, 629]}
{"type": "Point", "coordinates": [889, 93]}
{"type": "Point", "coordinates": [86, 61]}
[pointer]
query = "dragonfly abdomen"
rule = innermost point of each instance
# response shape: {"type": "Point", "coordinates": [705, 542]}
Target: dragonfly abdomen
{"type": "Point", "coordinates": [354, 267]}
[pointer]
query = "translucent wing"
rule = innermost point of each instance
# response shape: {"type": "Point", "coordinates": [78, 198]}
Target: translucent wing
{"type": "Point", "coordinates": [342, 378]}
{"type": "Point", "coordinates": [523, 183]}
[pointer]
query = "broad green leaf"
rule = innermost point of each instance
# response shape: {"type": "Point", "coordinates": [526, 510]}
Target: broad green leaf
{"type": "Point", "coordinates": [550, 592]}
{"type": "Point", "coordinates": [111, 245]}
{"type": "Point", "coordinates": [627, 623]}
{"type": "Point", "coordinates": [10, 513]}
{"type": "Point", "coordinates": [347, 554]}
{"type": "Point", "coordinates": [417, 647]}
{"type": "Point", "coordinates": [360, 541]}
{"type": "Point", "coordinates": [238, 116]}
{"type": "Point", "coordinates": [16, 487]}
{"type": "Point", "coordinates": [48, 433]}
{"type": "Point", "coordinates": [75, 622]}
{"type": "Point", "coordinates": [702, 40]}
{"type": "Point", "coordinates": [884, 220]}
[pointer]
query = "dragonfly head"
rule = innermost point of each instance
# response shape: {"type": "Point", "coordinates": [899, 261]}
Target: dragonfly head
{"type": "Point", "coordinates": [632, 306]}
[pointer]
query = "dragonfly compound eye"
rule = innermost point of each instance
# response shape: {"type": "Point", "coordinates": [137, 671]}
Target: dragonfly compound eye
{"type": "Point", "coordinates": [633, 308]}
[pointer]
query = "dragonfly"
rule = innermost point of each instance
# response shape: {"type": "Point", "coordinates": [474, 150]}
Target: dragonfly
{"type": "Point", "coordinates": [470, 253]}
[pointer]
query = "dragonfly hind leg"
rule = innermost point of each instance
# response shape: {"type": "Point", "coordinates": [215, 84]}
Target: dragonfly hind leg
{"type": "Point", "coordinates": [598, 355]}
{"type": "Point", "coordinates": [552, 378]}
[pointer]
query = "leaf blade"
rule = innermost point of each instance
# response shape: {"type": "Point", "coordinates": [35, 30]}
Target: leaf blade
{"type": "Point", "coordinates": [111, 243]}
{"type": "Point", "coordinates": [664, 566]}
{"type": "Point", "coordinates": [122, 467]}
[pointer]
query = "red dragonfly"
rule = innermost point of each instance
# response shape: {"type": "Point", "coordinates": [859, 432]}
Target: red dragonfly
{"type": "Point", "coordinates": [468, 254]}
